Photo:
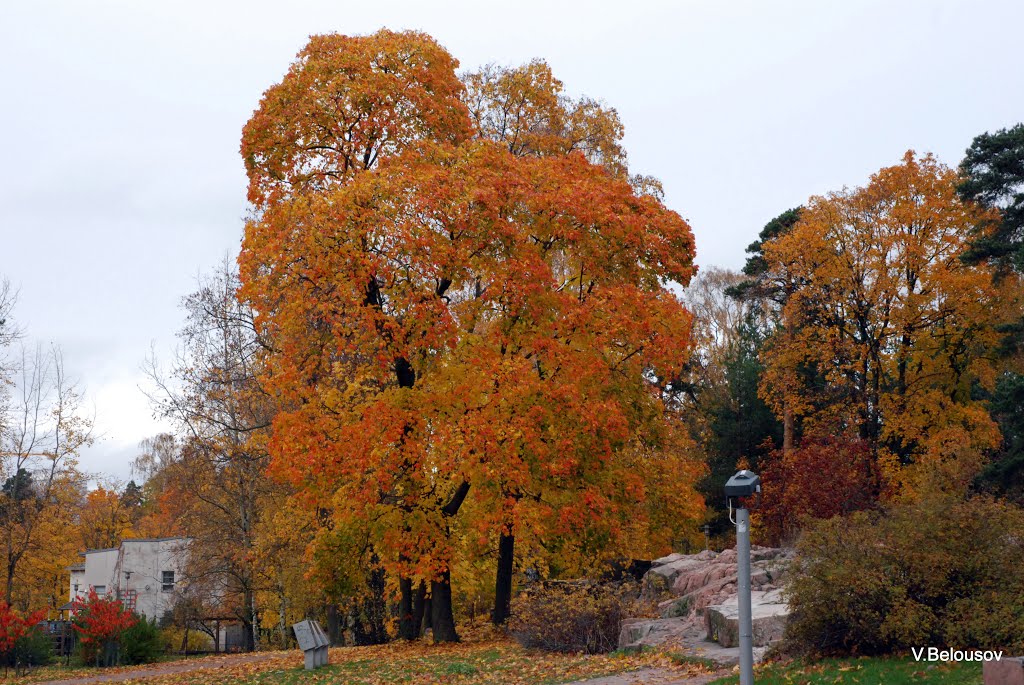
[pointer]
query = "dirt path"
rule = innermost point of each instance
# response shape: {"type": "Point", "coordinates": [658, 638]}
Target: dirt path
{"type": "Point", "coordinates": [176, 667]}
{"type": "Point", "coordinates": [652, 676]}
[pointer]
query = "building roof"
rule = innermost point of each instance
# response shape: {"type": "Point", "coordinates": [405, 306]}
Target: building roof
{"type": "Point", "coordinates": [80, 566]}
{"type": "Point", "coordinates": [114, 549]}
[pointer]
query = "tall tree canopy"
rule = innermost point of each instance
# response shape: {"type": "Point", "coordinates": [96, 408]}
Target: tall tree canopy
{"type": "Point", "coordinates": [214, 481]}
{"type": "Point", "coordinates": [42, 430]}
{"type": "Point", "coordinates": [891, 319]}
{"type": "Point", "coordinates": [475, 316]}
{"type": "Point", "coordinates": [345, 104]}
{"type": "Point", "coordinates": [993, 170]}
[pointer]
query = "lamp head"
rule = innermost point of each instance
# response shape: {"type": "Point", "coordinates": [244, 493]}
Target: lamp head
{"type": "Point", "coordinates": [743, 484]}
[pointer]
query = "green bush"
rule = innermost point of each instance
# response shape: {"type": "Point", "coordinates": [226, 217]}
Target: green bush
{"type": "Point", "coordinates": [34, 648]}
{"type": "Point", "coordinates": [942, 572]}
{"type": "Point", "coordinates": [574, 617]}
{"type": "Point", "coordinates": [142, 643]}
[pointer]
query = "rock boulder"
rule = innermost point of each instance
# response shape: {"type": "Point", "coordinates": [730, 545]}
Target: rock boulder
{"type": "Point", "coordinates": [696, 596]}
{"type": "Point", "coordinates": [769, 613]}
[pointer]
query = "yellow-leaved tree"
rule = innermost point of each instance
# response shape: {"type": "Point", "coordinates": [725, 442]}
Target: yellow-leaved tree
{"type": "Point", "coordinates": [42, 430]}
{"type": "Point", "coordinates": [886, 328]}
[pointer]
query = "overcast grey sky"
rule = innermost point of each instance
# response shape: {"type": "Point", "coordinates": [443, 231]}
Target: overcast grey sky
{"type": "Point", "coordinates": [121, 179]}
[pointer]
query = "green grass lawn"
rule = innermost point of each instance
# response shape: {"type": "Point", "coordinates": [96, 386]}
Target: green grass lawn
{"type": "Point", "coordinates": [866, 671]}
{"type": "Point", "coordinates": [494, 663]}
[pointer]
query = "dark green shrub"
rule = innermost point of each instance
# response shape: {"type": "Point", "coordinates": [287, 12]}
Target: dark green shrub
{"type": "Point", "coordinates": [942, 572]}
{"type": "Point", "coordinates": [34, 648]}
{"type": "Point", "coordinates": [574, 617]}
{"type": "Point", "coordinates": [141, 643]}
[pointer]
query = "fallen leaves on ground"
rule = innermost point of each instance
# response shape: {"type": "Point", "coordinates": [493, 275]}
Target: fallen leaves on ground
{"type": "Point", "coordinates": [59, 672]}
{"type": "Point", "coordinates": [482, 660]}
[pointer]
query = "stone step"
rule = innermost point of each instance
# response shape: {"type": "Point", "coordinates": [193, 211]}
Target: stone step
{"type": "Point", "coordinates": [769, 613]}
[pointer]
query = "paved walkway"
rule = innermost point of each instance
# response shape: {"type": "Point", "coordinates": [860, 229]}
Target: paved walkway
{"type": "Point", "coordinates": [173, 668]}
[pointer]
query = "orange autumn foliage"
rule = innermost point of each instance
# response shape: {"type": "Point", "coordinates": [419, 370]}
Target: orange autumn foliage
{"type": "Point", "coordinates": [886, 329]}
{"type": "Point", "coordinates": [460, 314]}
{"type": "Point", "coordinates": [104, 519]}
{"type": "Point", "coordinates": [345, 104]}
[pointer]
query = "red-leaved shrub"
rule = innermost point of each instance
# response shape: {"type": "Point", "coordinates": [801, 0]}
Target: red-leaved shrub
{"type": "Point", "coordinates": [101, 621]}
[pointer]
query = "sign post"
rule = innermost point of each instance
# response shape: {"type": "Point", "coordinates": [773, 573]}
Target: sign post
{"type": "Point", "coordinates": [313, 642]}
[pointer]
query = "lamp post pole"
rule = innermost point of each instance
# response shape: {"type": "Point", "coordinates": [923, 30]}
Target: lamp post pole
{"type": "Point", "coordinates": [743, 484]}
{"type": "Point", "coordinates": [746, 621]}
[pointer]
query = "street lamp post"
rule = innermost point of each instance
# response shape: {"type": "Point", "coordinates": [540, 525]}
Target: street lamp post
{"type": "Point", "coordinates": [743, 484]}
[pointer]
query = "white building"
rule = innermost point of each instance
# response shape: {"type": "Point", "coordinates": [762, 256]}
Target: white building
{"type": "Point", "coordinates": [142, 573]}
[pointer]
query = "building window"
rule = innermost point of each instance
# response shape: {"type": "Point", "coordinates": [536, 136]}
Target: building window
{"type": "Point", "coordinates": [76, 588]}
{"type": "Point", "coordinates": [167, 584]}
{"type": "Point", "coordinates": [100, 589]}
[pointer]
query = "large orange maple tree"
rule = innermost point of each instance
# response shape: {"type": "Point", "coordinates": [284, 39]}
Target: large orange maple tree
{"type": "Point", "coordinates": [464, 310]}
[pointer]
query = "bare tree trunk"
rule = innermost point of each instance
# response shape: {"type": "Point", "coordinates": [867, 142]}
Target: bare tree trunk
{"type": "Point", "coordinates": [419, 599]}
{"type": "Point", "coordinates": [442, 616]}
{"type": "Point", "coordinates": [250, 621]}
{"type": "Point", "coordinates": [282, 624]}
{"type": "Point", "coordinates": [503, 578]}
{"type": "Point", "coordinates": [334, 625]}
{"type": "Point", "coordinates": [407, 629]}
{"type": "Point", "coordinates": [9, 590]}
{"type": "Point", "coordinates": [428, 616]}
{"type": "Point", "coordinates": [255, 621]}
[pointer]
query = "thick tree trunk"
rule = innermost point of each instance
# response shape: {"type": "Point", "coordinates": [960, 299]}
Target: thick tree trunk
{"type": "Point", "coordinates": [407, 629]}
{"type": "Point", "coordinates": [442, 616]}
{"type": "Point", "coordinates": [250, 621]}
{"type": "Point", "coordinates": [250, 642]}
{"type": "Point", "coordinates": [333, 624]}
{"type": "Point", "coordinates": [503, 579]}
{"type": "Point", "coordinates": [419, 598]}
{"type": "Point", "coordinates": [371, 615]}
